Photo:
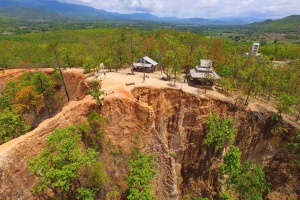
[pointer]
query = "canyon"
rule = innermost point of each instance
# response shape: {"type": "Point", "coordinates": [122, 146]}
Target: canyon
{"type": "Point", "coordinates": [169, 122]}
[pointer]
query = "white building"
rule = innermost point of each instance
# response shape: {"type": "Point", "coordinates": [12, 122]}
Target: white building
{"type": "Point", "coordinates": [146, 64]}
{"type": "Point", "coordinates": [255, 47]}
{"type": "Point", "coordinates": [204, 74]}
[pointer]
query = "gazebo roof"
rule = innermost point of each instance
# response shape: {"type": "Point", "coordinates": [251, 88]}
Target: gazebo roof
{"type": "Point", "coordinates": [142, 65]}
{"type": "Point", "coordinates": [202, 74]}
{"type": "Point", "coordinates": [149, 60]}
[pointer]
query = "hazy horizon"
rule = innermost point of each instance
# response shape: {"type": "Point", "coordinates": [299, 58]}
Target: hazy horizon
{"type": "Point", "coordinates": [202, 9]}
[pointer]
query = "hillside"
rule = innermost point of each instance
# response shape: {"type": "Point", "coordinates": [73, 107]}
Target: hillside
{"type": "Point", "coordinates": [29, 14]}
{"type": "Point", "coordinates": [290, 22]}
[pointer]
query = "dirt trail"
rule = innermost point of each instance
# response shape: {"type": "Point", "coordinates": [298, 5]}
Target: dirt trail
{"type": "Point", "coordinates": [116, 81]}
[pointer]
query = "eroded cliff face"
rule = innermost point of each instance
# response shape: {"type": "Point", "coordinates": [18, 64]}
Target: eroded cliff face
{"type": "Point", "coordinates": [171, 124]}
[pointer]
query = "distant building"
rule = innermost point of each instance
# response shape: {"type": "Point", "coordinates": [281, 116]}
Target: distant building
{"type": "Point", "coordinates": [255, 48]}
{"type": "Point", "coordinates": [204, 73]}
{"type": "Point", "coordinates": [22, 27]}
{"type": "Point", "coordinates": [145, 64]}
{"type": "Point", "coordinates": [8, 33]}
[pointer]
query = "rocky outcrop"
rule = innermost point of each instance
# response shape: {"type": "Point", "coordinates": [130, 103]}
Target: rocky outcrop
{"type": "Point", "coordinates": [169, 123]}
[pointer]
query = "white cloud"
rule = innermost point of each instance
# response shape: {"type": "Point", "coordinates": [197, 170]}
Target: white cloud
{"type": "Point", "coordinates": [199, 8]}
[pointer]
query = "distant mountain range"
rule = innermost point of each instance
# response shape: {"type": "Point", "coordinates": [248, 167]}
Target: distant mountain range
{"type": "Point", "coordinates": [54, 10]}
{"type": "Point", "coordinates": [290, 22]}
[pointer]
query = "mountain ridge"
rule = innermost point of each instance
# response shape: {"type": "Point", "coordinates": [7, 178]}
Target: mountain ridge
{"type": "Point", "coordinates": [290, 22]}
{"type": "Point", "coordinates": [25, 13]}
{"type": "Point", "coordinates": [86, 13]}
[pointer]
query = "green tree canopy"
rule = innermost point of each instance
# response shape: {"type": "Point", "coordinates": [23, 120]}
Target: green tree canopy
{"type": "Point", "coordinates": [59, 164]}
{"type": "Point", "coordinates": [285, 103]}
{"type": "Point", "coordinates": [219, 130]}
{"type": "Point", "coordinates": [139, 178]}
{"type": "Point", "coordinates": [247, 180]}
{"type": "Point", "coordinates": [11, 125]}
{"type": "Point", "coordinates": [39, 80]}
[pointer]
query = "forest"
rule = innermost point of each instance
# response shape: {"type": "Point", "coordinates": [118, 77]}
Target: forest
{"type": "Point", "coordinates": [177, 51]}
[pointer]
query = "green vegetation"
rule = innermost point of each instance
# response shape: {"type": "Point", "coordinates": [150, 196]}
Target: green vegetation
{"type": "Point", "coordinates": [220, 130]}
{"type": "Point", "coordinates": [246, 180]}
{"type": "Point", "coordinates": [141, 173]}
{"type": "Point", "coordinates": [294, 146]}
{"type": "Point", "coordinates": [224, 196]}
{"type": "Point", "coordinates": [32, 14]}
{"type": "Point", "coordinates": [27, 100]}
{"type": "Point", "coordinates": [31, 93]}
{"type": "Point", "coordinates": [290, 22]}
{"type": "Point", "coordinates": [96, 94]}
{"type": "Point", "coordinates": [67, 168]}
{"type": "Point", "coordinates": [11, 125]}
{"type": "Point", "coordinates": [92, 131]}
{"type": "Point", "coordinates": [69, 165]}
{"type": "Point", "coordinates": [177, 50]}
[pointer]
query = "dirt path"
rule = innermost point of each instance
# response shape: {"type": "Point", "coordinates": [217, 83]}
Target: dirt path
{"type": "Point", "coordinates": [116, 81]}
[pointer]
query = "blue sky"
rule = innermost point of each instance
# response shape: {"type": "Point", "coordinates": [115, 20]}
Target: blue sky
{"type": "Point", "coordinates": [199, 8]}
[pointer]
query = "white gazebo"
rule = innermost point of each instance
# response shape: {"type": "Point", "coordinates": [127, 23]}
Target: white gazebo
{"type": "Point", "coordinates": [204, 74]}
{"type": "Point", "coordinates": [145, 64]}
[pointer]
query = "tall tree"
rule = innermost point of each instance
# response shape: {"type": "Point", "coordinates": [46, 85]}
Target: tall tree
{"type": "Point", "coordinates": [219, 131]}
{"type": "Point", "coordinates": [59, 164]}
{"type": "Point", "coordinates": [247, 180]}
{"type": "Point", "coordinates": [139, 178]}
{"type": "Point", "coordinates": [27, 100]}
{"type": "Point", "coordinates": [53, 47]}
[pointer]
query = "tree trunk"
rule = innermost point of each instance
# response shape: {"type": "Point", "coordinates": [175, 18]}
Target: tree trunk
{"type": "Point", "coordinates": [251, 84]}
{"type": "Point", "coordinates": [62, 77]}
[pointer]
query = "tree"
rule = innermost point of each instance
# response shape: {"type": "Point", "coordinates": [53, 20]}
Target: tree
{"type": "Point", "coordinates": [216, 52]}
{"type": "Point", "coordinates": [252, 79]}
{"type": "Point", "coordinates": [89, 65]}
{"type": "Point", "coordinates": [168, 62]}
{"type": "Point", "coordinates": [53, 47]}
{"type": "Point", "coordinates": [92, 131]}
{"type": "Point", "coordinates": [7, 96]}
{"type": "Point", "coordinates": [96, 93]}
{"type": "Point", "coordinates": [93, 177]}
{"type": "Point", "coordinates": [285, 103]}
{"type": "Point", "coordinates": [68, 57]}
{"type": "Point", "coordinates": [176, 68]}
{"type": "Point", "coordinates": [11, 125]}
{"type": "Point", "coordinates": [187, 52]}
{"type": "Point", "coordinates": [39, 80]}
{"type": "Point", "coordinates": [118, 46]}
{"type": "Point", "coordinates": [59, 164]}
{"type": "Point", "coordinates": [27, 100]}
{"type": "Point", "coordinates": [231, 164]}
{"type": "Point", "coordinates": [219, 130]}
{"type": "Point", "coordinates": [247, 180]}
{"type": "Point", "coordinates": [294, 146]}
{"type": "Point", "coordinates": [251, 182]}
{"type": "Point", "coordinates": [139, 178]}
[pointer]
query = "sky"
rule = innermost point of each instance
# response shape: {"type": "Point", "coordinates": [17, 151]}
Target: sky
{"type": "Point", "coordinates": [271, 9]}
